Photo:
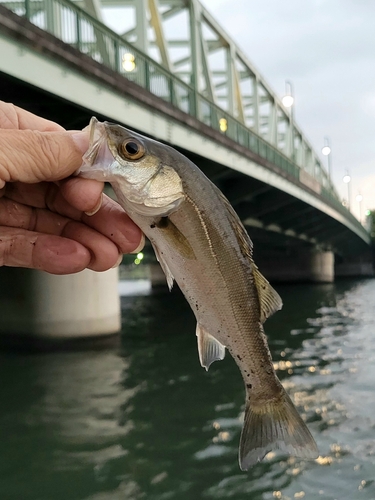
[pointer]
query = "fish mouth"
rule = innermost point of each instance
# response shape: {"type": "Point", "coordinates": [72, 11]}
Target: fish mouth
{"type": "Point", "coordinates": [97, 135]}
{"type": "Point", "coordinates": [98, 159]}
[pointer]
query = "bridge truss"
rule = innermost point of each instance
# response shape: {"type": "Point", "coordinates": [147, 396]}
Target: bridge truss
{"type": "Point", "coordinates": [186, 40]}
{"type": "Point", "coordinates": [177, 51]}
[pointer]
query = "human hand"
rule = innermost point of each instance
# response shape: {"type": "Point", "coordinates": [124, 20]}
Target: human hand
{"type": "Point", "coordinates": [44, 216]}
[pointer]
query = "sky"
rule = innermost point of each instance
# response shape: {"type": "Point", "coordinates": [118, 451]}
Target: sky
{"type": "Point", "coordinates": [326, 48]}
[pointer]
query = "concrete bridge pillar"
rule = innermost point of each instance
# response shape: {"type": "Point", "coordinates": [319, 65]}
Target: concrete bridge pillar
{"type": "Point", "coordinates": [38, 308]}
{"type": "Point", "coordinates": [321, 267]}
{"type": "Point", "coordinates": [297, 265]}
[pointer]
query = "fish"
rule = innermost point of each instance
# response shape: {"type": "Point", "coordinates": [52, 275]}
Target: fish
{"type": "Point", "coordinates": [202, 245]}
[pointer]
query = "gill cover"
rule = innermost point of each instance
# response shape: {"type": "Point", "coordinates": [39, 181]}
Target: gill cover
{"type": "Point", "coordinates": [126, 160]}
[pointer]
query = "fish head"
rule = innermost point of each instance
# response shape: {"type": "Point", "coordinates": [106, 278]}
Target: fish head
{"type": "Point", "coordinates": [138, 168]}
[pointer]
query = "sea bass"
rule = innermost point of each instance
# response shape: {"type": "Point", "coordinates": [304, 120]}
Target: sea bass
{"type": "Point", "coordinates": [201, 243]}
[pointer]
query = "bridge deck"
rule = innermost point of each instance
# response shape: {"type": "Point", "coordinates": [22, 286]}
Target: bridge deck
{"type": "Point", "coordinates": [270, 192]}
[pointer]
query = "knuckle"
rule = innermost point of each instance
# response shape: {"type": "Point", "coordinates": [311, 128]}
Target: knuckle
{"type": "Point", "coordinates": [48, 153]}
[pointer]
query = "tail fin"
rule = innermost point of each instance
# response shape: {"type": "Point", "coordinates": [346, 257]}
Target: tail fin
{"type": "Point", "coordinates": [276, 425]}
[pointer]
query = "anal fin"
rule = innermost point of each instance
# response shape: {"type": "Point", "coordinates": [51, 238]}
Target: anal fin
{"type": "Point", "coordinates": [209, 348]}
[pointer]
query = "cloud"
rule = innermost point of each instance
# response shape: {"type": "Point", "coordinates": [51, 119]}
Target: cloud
{"type": "Point", "coordinates": [327, 49]}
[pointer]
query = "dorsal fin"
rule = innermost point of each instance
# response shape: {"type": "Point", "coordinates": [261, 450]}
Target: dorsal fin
{"type": "Point", "coordinates": [269, 300]}
{"type": "Point", "coordinates": [243, 238]}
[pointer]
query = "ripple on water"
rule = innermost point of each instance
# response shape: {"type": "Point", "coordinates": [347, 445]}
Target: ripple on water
{"type": "Point", "coordinates": [112, 426]}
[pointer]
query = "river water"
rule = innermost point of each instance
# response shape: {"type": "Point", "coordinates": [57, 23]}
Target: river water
{"type": "Point", "coordinates": [145, 421]}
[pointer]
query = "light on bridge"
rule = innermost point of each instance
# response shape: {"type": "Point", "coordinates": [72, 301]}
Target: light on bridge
{"type": "Point", "coordinates": [359, 199]}
{"type": "Point", "coordinates": [128, 62]}
{"type": "Point", "coordinates": [326, 151]}
{"type": "Point", "coordinates": [347, 180]}
{"type": "Point", "coordinates": [223, 124]}
{"type": "Point", "coordinates": [288, 101]}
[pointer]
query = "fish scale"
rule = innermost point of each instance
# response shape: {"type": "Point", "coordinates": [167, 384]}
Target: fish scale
{"type": "Point", "coordinates": [201, 244]}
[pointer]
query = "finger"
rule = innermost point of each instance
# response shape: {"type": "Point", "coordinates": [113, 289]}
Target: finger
{"type": "Point", "coordinates": [13, 117]}
{"type": "Point", "coordinates": [102, 213]}
{"type": "Point", "coordinates": [69, 197]}
{"type": "Point", "coordinates": [110, 220]}
{"type": "Point", "coordinates": [104, 252]}
{"type": "Point", "coordinates": [47, 195]}
{"type": "Point", "coordinates": [84, 194]}
{"type": "Point", "coordinates": [53, 254]}
{"type": "Point", "coordinates": [32, 156]}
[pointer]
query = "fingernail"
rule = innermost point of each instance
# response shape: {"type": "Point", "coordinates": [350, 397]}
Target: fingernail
{"type": "Point", "coordinates": [118, 262]}
{"type": "Point", "coordinates": [140, 246]}
{"type": "Point", "coordinates": [81, 140]}
{"type": "Point", "coordinates": [96, 208]}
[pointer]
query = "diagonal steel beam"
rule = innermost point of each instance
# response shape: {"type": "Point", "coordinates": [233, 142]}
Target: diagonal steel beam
{"type": "Point", "coordinates": [156, 23]}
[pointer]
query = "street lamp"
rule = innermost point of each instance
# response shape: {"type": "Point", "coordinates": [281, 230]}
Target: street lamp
{"type": "Point", "coordinates": [359, 198]}
{"type": "Point", "coordinates": [326, 151]}
{"type": "Point", "coordinates": [288, 99]}
{"type": "Point", "coordinates": [347, 180]}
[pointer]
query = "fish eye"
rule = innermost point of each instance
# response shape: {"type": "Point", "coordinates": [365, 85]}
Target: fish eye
{"type": "Point", "coordinates": [132, 149]}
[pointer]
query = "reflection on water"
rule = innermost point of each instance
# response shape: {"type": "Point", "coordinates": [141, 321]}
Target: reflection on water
{"type": "Point", "coordinates": [147, 422]}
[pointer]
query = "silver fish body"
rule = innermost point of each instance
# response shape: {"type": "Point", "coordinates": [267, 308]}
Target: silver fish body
{"type": "Point", "coordinates": [202, 245]}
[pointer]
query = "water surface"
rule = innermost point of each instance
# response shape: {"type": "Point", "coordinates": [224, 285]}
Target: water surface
{"type": "Point", "coordinates": [147, 422]}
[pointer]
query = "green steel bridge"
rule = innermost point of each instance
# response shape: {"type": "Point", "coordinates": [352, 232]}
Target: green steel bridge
{"type": "Point", "coordinates": [167, 69]}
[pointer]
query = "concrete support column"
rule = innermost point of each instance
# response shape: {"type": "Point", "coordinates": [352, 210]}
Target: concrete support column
{"type": "Point", "coordinates": [40, 306]}
{"type": "Point", "coordinates": [321, 267]}
{"type": "Point", "coordinates": [298, 265]}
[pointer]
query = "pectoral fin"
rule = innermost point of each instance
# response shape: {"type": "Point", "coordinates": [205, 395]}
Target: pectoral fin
{"type": "Point", "coordinates": [175, 238]}
{"type": "Point", "coordinates": [209, 348]}
{"type": "Point", "coordinates": [270, 301]}
{"type": "Point", "coordinates": [164, 266]}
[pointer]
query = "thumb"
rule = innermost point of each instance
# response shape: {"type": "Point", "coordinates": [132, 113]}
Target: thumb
{"type": "Point", "coordinates": [32, 156]}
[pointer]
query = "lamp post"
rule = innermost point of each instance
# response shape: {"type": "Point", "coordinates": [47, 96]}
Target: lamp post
{"type": "Point", "coordinates": [359, 198]}
{"type": "Point", "coordinates": [326, 151]}
{"type": "Point", "coordinates": [347, 180]}
{"type": "Point", "coordinates": [288, 101]}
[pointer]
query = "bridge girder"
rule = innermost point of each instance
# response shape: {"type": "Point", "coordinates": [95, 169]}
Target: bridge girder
{"type": "Point", "coordinates": [186, 39]}
{"type": "Point", "coordinates": [221, 79]}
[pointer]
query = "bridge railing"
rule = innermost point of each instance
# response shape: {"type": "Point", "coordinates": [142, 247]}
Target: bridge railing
{"type": "Point", "coordinates": [74, 26]}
